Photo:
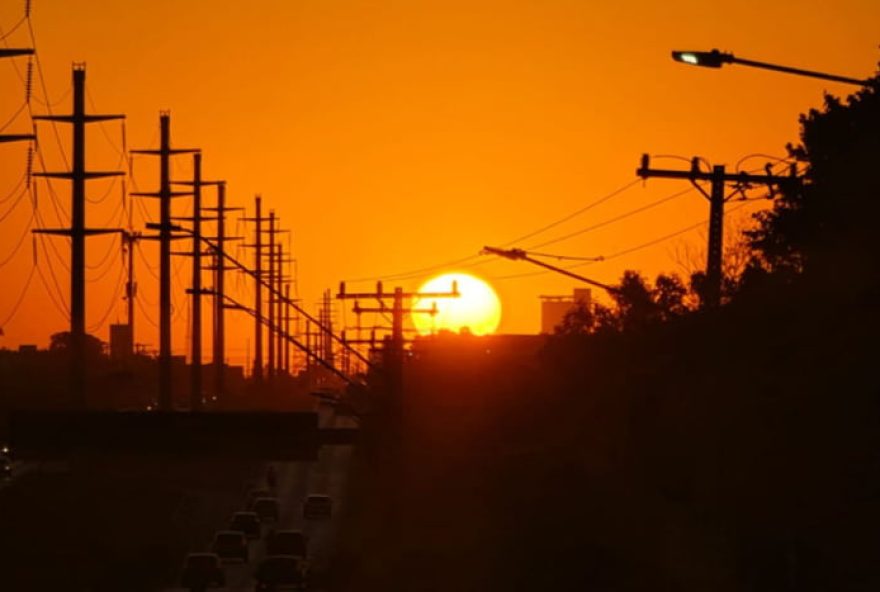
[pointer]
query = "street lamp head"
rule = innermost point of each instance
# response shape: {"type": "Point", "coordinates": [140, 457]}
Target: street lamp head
{"type": "Point", "coordinates": [707, 59]}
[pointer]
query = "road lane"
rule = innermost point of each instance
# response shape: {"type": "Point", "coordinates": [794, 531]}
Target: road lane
{"type": "Point", "coordinates": [295, 480]}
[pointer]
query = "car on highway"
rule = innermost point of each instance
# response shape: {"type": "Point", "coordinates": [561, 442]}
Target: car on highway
{"type": "Point", "coordinates": [230, 544]}
{"type": "Point", "coordinates": [255, 494]}
{"type": "Point", "coordinates": [317, 506]}
{"type": "Point", "coordinates": [5, 467]}
{"type": "Point", "coordinates": [246, 522]}
{"type": "Point", "coordinates": [267, 508]}
{"type": "Point", "coordinates": [287, 542]}
{"type": "Point", "coordinates": [202, 571]}
{"type": "Point", "coordinates": [281, 572]}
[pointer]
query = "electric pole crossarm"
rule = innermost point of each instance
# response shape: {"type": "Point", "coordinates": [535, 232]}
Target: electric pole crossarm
{"type": "Point", "coordinates": [745, 178]}
{"type": "Point", "coordinates": [16, 138]}
{"type": "Point", "coordinates": [646, 172]}
{"type": "Point", "coordinates": [83, 175]}
{"type": "Point", "coordinates": [15, 52]}
{"type": "Point", "coordinates": [203, 183]}
{"type": "Point", "coordinates": [163, 151]}
{"type": "Point", "coordinates": [78, 118]}
{"type": "Point", "coordinates": [160, 194]}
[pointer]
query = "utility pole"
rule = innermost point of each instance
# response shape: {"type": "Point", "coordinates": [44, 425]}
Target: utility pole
{"type": "Point", "coordinates": [271, 301]}
{"type": "Point", "coordinates": [130, 238]}
{"type": "Point", "coordinates": [274, 276]}
{"type": "Point", "coordinates": [394, 349]}
{"type": "Point", "coordinates": [258, 246]}
{"type": "Point", "coordinates": [196, 290]}
{"type": "Point", "coordinates": [218, 357]}
{"type": "Point", "coordinates": [165, 195]}
{"type": "Point", "coordinates": [719, 178]}
{"type": "Point", "coordinates": [327, 343]}
{"type": "Point", "coordinates": [283, 313]}
{"type": "Point", "coordinates": [287, 330]}
{"type": "Point", "coordinates": [78, 232]}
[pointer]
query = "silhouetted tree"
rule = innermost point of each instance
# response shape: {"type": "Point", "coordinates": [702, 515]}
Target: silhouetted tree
{"type": "Point", "coordinates": [637, 305]}
{"type": "Point", "coordinates": [827, 228]}
{"type": "Point", "coordinates": [59, 342]}
{"type": "Point", "coordinates": [579, 320]}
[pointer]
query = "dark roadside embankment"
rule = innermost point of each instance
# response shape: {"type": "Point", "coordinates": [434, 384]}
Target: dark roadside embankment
{"type": "Point", "coordinates": [728, 451]}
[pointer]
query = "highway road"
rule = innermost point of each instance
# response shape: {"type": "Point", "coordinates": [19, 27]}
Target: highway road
{"type": "Point", "coordinates": [296, 480]}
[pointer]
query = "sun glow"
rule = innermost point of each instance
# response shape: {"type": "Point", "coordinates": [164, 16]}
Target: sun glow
{"type": "Point", "coordinates": [477, 309]}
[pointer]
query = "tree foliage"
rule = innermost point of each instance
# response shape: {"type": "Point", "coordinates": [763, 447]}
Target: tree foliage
{"type": "Point", "coordinates": [826, 227]}
{"type": "Point", "coordinates": [637, 305]}
{"type": "Point", "coordinates": [60, 342]}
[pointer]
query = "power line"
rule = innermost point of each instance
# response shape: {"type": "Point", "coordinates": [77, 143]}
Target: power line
{"type": "Point", "coordinates": [13, 207]}
{"type": "Point", "coordinates": [60, 305]}
{"type": "Point", "coordinates": [612, 220]}
{"type": "Point", "coordinates": [14, 190]}
{"type": "Point", "coordinates": [41, 224]}
{"type": "Point", "coordinates": [14, 28]}
{"type": "Point", "coordinates": [145, 313]}
{"type": "Point", "coordinates": [468, 259]}
{"type": "Point", "coordinates": [48, 106]}
{"type": "Point", "coordinates": [562, 257]}
{"type": "Point", "coordinates": [14, 116]}
{"type": "Point", "coordinates": [114, 301]}
{"type": "Point", "coordinates": [18, 243]}
{"type": "Point", "coordinates": [20, 298]}
{"type": "Point", "coordinates": [621, 252]}
{"type": "Point", "coordinates": [576, 213]}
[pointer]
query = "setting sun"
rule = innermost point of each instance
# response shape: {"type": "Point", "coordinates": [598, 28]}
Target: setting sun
{"type": "Point", "coordinates": [477, 309]}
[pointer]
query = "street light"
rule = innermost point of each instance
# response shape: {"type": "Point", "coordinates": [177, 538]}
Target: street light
{"type": "Point", "coordinates": [716, 59]}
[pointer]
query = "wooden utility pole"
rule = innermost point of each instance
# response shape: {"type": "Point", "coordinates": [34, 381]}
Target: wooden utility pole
{"type": "Point", "coordinates": [394, 349]}
{"type": "Point", "coordinates": [258, 247]}
{"type": "Point", "coordinates": [78, 232]}
{"type": "Point", "coordinates": [165, 195]}
{"type": "Point", "coordinates": [196, 290]}
{"type": "Point", "coordinates": [218, 266]}
{"type": "Point", "coordinates": [719, 178]}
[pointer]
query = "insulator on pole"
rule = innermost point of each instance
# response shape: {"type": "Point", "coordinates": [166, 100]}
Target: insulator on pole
{"type": "Point", "coordinates": [30, 166]}
{"type": "Point", "coordinates": [29, 81]}
{"type": "Point", "coordinates": [27, 8]}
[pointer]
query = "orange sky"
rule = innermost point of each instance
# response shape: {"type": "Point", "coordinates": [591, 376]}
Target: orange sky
{"type": "Point", "coordinates": [397, 135]}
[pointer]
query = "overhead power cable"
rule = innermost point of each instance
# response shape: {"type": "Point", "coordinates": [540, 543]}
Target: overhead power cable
{"type": "Point", "coordinates": [20, 299]}
{"type": "Point", "coordinates": [622, 252]}
{"type": "Point", "coordinates": [465, 260]}
{"type": "Point", "coordinates": [612, 220]}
